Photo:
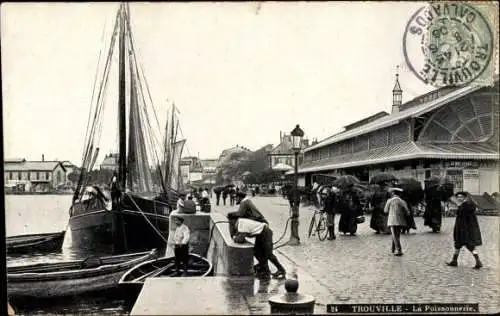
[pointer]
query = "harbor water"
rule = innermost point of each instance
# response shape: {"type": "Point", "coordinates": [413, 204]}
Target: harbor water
{"type": "Point", "coordinates": [33, 214]}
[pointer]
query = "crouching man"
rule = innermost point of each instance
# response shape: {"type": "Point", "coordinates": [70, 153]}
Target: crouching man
{"type": "Point", "coordinates": [249, 222]}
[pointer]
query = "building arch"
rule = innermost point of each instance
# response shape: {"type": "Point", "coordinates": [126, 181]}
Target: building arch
{"type": "Point", "coordinates": [470, 119]}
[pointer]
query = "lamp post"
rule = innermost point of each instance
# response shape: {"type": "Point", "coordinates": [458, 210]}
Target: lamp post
{"type": "Point", "coordinates": [297, 135]}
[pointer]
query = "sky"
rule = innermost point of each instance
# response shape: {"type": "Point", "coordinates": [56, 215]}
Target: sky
{"type": "Point", "coordinates": [239, 73]}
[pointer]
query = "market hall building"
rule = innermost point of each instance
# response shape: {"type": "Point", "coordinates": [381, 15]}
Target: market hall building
{"type": "Point", "coordinates": [452, 131]}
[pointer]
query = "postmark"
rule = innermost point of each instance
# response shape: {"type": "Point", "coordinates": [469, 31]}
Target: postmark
{"type": "Point", "coordinates": [450, 44]}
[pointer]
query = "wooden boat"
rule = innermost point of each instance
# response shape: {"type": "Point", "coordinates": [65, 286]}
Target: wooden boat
{"type": "Point", "coordinates": [148, 194]}
{"type": "Point", "coordinates": [35, 243]}
{"type": "Point", "coordinates": [71, 278]}
{"type": "Point", "coordinates": [132, 281]}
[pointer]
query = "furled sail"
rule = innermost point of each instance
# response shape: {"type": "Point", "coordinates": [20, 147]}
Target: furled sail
{"type": "Point", "coordinates": [175, 164]}
{"type": "Point", "coordinates": [139, 177]}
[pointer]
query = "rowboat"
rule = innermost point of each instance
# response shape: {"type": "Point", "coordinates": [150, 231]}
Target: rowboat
{"type": "Point", "coordinates": [132, 281]}
{"type": "Point", "coordinates": [71, 278]}
{"type": "Point", "coordinates": [35, 243]}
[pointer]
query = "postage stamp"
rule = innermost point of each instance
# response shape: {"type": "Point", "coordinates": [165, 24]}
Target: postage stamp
{"type": "Point", "coordinates": [452, 44]}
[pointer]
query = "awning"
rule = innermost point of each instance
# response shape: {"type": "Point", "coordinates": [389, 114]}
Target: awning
{"type": "Point", "coordinates": [282, 167]}
{"type": "Point", "coordinates": [404, 151]}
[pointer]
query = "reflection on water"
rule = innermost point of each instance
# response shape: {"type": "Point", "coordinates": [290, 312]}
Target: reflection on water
{"type": "Point", "coordinates": [34, 214]}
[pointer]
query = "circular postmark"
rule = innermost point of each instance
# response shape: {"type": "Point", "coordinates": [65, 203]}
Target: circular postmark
{"type": "Point", "coordinates": [448, 44]}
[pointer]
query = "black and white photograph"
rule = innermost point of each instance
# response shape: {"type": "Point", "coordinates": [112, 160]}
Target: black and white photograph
{"type": "Point", "coordinates": [250, 158]}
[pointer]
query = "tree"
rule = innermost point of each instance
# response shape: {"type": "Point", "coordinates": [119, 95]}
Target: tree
{"type": "Point", "coordinates": [74, 176]}
{"type": "Point", "coordinates": [219, 179]}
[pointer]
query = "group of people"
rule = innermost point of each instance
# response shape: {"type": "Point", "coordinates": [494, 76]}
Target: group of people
{"type": "Point", "coordinates": [338, 201]}
{"type": "Point", "coordinates": [187, 203]}
{"type": "Point", "coordinates": [247, 221]}
{"type": "Point", "coordinates": [392, 214]}
{"type": "Point", "coordinates": [228, 191]}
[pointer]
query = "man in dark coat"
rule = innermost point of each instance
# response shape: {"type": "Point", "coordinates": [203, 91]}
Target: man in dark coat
{"type": "Point", "coordinates": [225, 192]}
{"type": "Point", "coordinates": [263, 247]}
{"type": "Point", "coordinates": [232, 196]}
{"type": "Point", "coordinates": [189, 206]}
{"type": "Point", "coordinates": [466, 231]}
{"type": "Point", "coordinates": [218, 192]}
{"type": "Point", "coordinates": [331, 205]}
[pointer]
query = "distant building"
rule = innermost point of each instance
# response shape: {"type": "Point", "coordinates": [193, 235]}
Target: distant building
{"type": "Point", "coordinates": [33, 176]}
{"type": "Point", "coordinates": [70, 168]}
{"type": "Point", "coordinates": [209, 171]}
{"type": "Point", "coordinates": [209, 165]}
{"type": "Point", "coordinates": [191, 169]}
{"type": "Point", "coordinates": [282, 156]}
{"type": "Point", "coordinates": [110, 162]}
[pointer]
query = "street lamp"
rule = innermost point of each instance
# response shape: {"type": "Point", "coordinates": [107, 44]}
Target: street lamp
{"type": "Point", "coordinates": [297, 135]}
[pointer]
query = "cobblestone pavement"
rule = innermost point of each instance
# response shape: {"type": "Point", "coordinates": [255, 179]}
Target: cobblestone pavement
{"type": "Point", "coordinates": [361, 268]}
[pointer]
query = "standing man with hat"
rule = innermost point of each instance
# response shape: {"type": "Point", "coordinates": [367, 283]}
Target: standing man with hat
{"type": "Point", "coordinates": [251, 223]}
{"type": "Point", "coordinates": [466, 231]}
{"type": "Point", "coordinates": [397, 211]}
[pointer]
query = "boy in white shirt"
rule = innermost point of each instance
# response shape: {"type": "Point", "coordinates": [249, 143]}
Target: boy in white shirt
{"type": "Point", "coordinates": [181, 244]}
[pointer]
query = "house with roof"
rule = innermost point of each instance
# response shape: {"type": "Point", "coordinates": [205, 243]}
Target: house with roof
{"type": "Point", "coordinates": [191, 169]}
{"type": "Point", "coordinates": [282, 156]}
{"type": "Point", "coordinates": [110, 162]}
{"type": "Point", "coordinates": [70, 168]}
{"type": "Point", "coordinates": [452, 131]}
{"type": "Point", "coordinates": [33, 176]}
{"type": "Point", "coordinates": [209, 171]}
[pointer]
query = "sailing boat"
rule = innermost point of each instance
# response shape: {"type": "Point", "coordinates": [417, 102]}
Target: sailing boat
{"type": "Point", "coordinates": [137, 217]}
{"type": "Point", "coordinates": [173, 153]}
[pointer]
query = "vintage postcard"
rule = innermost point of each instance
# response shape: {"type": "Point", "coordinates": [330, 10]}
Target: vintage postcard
{"type": "Point", "coordinates": [237, 158]}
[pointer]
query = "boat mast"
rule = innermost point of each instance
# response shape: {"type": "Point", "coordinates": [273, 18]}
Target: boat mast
{"type": "Point", "coordinates": [166, 158]}
{"type": "Point", "coordinates": [172, 126]}
{"type": "Point", "coordinates": [122, 155]}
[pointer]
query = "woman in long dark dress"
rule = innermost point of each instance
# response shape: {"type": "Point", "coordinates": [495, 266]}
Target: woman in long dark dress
{"type": "Point", "coordinates": [378, 221]}
{"type": "Point", "coordinates": [410, 219]}
{"type": "Point", "coordinates": [350, 207]}
{"type": "Point", "coordinates": [466, 231]}
{"type": "Point", "coordinates": [433, 209]}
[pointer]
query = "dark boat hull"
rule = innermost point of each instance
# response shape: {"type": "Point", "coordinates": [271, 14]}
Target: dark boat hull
{"type": "Point", "coordinates": [35, 243]}
{"type": "Point", "coordinates": [63, 279]}
{"type": "Point", "coordinates": [117, 231]}
{"type": "Point", "coordinates": [140, 225]}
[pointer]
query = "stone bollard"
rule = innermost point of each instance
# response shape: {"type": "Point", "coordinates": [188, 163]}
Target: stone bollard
{"type": "Point", "coordinates": [292, 303]}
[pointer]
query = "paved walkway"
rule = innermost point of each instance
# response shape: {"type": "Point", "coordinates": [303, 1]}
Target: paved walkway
{"type": "Point", "coordinates": [361, 269]}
